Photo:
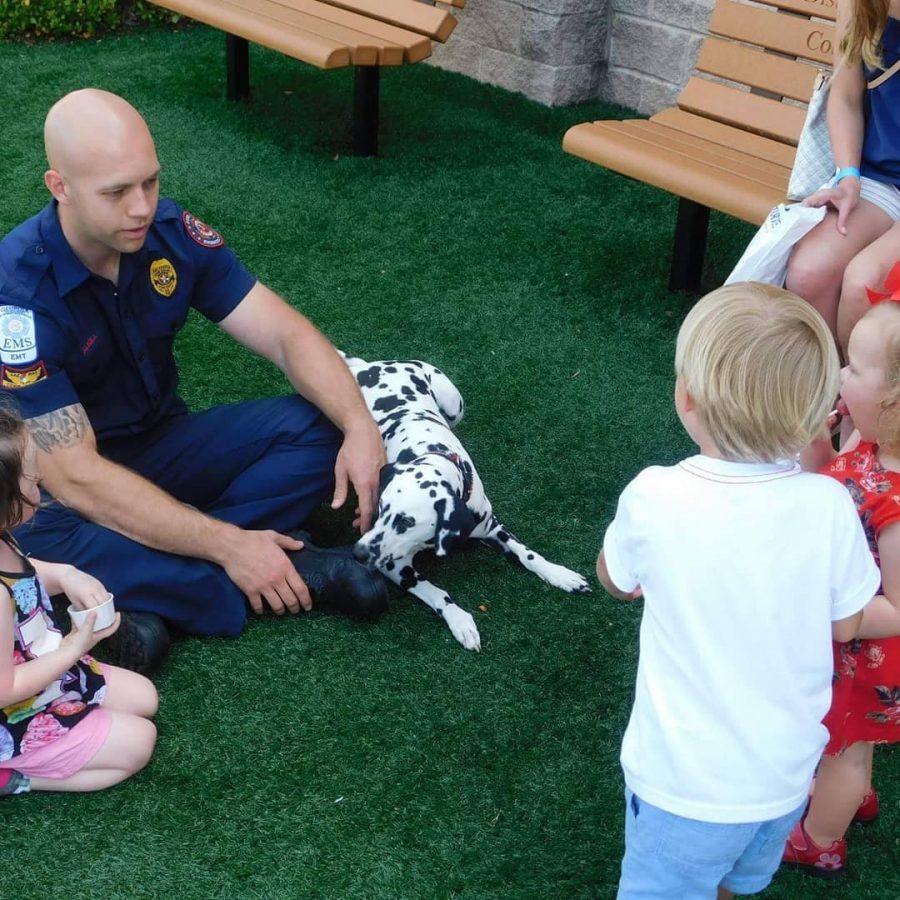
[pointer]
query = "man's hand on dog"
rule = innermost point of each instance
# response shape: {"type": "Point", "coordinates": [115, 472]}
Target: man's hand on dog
{"type": "Point", "coordinates": [359, 463]}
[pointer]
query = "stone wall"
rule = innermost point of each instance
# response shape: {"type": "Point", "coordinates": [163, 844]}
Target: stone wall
{"type": "Point", "coordinates": [637, 53]}
{"type": "Point", "coordinates": [553, 51]}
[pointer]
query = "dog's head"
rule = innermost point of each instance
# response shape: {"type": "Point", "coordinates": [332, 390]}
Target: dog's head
{"type": "Point", "coordinates": [421, 506]}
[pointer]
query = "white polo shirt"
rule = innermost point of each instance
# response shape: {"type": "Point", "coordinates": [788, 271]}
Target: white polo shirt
{"type": "Point", "coordinates": [743, 567]}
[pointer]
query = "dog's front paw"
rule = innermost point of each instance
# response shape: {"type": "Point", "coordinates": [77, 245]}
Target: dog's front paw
{"type": "Point", "coordinates": [462, 627]}
{"type": "Point", "coordinates": [565, 579]}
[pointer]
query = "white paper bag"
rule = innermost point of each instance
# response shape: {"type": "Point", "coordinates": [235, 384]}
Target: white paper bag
{"type": "Point", "coordinates": [766, 256]}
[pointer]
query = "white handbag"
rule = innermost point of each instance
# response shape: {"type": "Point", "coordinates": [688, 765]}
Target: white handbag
{"type": "Point", "coordinates": [814, 162]}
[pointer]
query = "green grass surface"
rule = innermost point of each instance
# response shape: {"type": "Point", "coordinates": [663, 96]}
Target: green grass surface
{"type": "Point", "coordinates": [316, 757]}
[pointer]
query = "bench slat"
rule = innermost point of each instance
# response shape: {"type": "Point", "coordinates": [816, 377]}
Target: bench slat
{"type": "Point", "coordinates": [789, 34]}
{"type": "Point", "coordinates": [733, 107]}
{"type": "Point", "coordinates": [766, 71]}
{"type": "Point", "coordinates": [731, 193]}
{"type": "Point", "coordinates": [365, 49]}
{"type": "Point", "coordinates": [416, 46]}
{"type": "Point", "coordinates": [820, 9]}
{"type": "Point", "coordinates": [310, 48]}
{"type": "Point", "coordinates": [671, 140]}
{"type": "Point", "coordinates": [427, 20]}
{"type": "Point", "coordinates": [727, 136]}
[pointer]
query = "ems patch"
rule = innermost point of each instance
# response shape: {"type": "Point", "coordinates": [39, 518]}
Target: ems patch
{"type": "Point", "coordinates": [11, 377]}
{"type": "Point", "coordinates": [18, 343]}
{"type": "Point", "coordinates": [200, 232]}
{"type": "Point", "coordinates": [163, 277]}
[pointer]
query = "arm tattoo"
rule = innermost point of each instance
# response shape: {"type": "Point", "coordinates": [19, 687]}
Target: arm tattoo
{"type": "Point", "coordinates": [61, 428]}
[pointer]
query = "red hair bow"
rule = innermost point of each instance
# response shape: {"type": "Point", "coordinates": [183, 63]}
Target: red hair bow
{"type": "Point", "coordinates": [891, 288]}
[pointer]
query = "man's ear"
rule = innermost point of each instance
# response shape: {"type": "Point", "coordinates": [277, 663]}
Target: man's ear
{"type": "Point", "coordinates": [57, 186]}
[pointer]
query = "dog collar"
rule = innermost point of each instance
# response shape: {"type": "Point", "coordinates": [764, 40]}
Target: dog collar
{"type": "Point", "coordinates": [466, 470]}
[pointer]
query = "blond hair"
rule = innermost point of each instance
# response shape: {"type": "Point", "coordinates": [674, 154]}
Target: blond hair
{"type": "Point", "coordinates": [761, 367]}
{"type": "Point", "coordinates": [862, 39]}
{"type": "Point", "coordinates": [887, 314]}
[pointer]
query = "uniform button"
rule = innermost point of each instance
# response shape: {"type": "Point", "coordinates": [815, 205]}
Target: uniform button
{"type": "Point", "coordinates": [39, 250]}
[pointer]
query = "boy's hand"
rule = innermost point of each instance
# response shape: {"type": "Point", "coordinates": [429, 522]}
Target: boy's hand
{"type": "Point", "coordinates": [83, 590]}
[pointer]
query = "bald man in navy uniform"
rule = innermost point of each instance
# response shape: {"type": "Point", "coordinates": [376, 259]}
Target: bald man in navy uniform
{"type": "Point", "coordinates": [182, 515]}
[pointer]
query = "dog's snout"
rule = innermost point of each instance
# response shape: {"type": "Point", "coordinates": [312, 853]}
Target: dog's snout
{"type": "Point", "coordinates": [361, 552]}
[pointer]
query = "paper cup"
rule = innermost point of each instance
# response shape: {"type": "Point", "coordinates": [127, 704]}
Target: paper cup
{"type": "Point", "coordinates": [106, 614]}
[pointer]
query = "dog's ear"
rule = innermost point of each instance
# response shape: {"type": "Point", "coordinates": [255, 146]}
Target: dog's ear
{"type": "Point", "coordinates": [454, 527]}
{"type": "Point", "coordinates": [384, 477]}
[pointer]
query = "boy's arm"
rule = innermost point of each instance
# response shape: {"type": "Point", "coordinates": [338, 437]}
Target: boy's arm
{"type": "Point", "coordinates": [844, 630]}
{"type": "Point", "coordinates": [607, 582]}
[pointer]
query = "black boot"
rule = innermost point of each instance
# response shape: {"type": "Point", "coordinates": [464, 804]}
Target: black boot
{"type": "Point", "coordinates": [337, 582]}
{"type": "Point", "coordinates": [140, 644]}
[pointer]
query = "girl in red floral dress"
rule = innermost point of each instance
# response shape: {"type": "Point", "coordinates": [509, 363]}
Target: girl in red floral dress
{"type": "Point", "coordinates": [67, 722]}
{"type": "Point", "coordinates": [865, 706]}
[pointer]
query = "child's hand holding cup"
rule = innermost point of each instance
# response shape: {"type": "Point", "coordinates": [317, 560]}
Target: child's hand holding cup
{"type": "Point", "coordinates": [105, 614]}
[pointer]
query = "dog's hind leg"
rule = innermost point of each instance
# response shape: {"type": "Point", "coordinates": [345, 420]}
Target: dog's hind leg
{"type": "Point", "coordinates": [494, 534]}
{"type": "Point", "coordinates": [461, 624]}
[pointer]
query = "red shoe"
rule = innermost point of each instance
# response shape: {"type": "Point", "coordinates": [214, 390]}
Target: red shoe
{"type": "Point", "coordinates": [868, 809]}
{"type": "Point", "coordinates": [802, 851]}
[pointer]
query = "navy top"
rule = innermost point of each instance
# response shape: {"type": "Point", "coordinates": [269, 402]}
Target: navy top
{"type": "Point", "coordinates": [881, 142]}
{"type": "Point", "coordinates": [69, 336]}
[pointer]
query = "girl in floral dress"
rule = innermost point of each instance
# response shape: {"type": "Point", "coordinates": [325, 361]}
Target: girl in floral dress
{"type": "Point", "coordinates": [67, 722]}
{"type": "Point", "coordinates": [865, 706]}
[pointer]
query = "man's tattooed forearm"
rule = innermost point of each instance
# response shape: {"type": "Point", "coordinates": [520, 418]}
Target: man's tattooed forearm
{"type": "Point", "coordinates": [60, 428]}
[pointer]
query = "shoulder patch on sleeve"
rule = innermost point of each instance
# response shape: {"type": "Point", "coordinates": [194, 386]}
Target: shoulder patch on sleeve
{"type": "Point", "coordinates": [200, 233]}
{"type": "Point", "coordinates": [18, 342]}
{"type": "Point", "coordinates": [12, 377]}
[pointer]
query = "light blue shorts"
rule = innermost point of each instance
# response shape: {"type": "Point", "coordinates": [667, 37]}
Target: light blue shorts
{"type": "Point", "coordinates": [670, 856]}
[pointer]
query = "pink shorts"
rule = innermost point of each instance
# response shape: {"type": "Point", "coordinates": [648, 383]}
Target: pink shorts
{"type": "Point", "coordinates": [72, 752]}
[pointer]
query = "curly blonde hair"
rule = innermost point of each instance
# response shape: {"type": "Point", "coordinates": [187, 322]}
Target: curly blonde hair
{"type": "Point", "coordinates": [762, 369]}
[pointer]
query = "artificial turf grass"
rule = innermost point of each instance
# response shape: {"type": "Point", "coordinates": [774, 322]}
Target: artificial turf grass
{"type": "Point", "coordinates": [321, 758]}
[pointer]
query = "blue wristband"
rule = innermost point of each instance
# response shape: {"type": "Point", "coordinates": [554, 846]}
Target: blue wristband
{"type": "Point", "coordinates": [846, 172]}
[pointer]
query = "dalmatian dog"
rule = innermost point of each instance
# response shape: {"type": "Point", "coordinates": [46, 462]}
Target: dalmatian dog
{"type": "Point", "coordinates": [431, 497]}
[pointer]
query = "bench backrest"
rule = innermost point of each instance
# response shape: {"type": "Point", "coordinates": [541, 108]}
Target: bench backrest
{"type": "Point", "coordinates": [765, 55]}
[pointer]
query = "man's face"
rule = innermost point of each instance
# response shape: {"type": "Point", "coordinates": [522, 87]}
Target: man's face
{"type": "Point", "coordinates": [112, 195]}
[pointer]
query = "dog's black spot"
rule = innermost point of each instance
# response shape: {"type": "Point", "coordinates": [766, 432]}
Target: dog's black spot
{"type": "Point", "coordinates": [530, 556]}
{"type": "Point", "coordinates": [502, 536]}
{"type": "Point", "coordinates": [391, 369]}
{"type": "Point", "coordinates": [406, 456]}
{"type": "Point", "coordinates": [384, 477]}
{"type": "Point", "coordinates": [368, 377]}
{"type": "Point", "coordinates": [418, 474]}
{"type": "Point", "coordinates": [385, 404]}
{"type": "Point", "coordinates": [403, 523]}
{"type": "Point", "coordinates": [453, 525]}
{"type": "Point", "coordinates": [421, 385]}
{"type": "Point", "coordinates": [432, 493]}
{"type": "Point", "coordinates": [408, 392]}
{"type": "Point", "coordinates": [389, 565]}
{"type": "Point", "coordinates": [438, 448]}
{"type": "Point", "coordinates": [408, 578]}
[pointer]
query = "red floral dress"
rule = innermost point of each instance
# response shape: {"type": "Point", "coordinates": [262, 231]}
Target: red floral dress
{"type": "Point", "coordinates": [865, 704]}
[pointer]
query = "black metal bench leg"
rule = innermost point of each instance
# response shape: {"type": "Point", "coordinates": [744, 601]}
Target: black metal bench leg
{"type": "Point", "coordinates": [689, 246]}
{"type": "Point", "coordinates": [237, 61]}
{"type": "Point", "coordinates": [365, 110]}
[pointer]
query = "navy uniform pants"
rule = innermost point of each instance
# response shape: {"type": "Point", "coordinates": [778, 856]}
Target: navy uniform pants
{"type": "Point", "coordinates": [262, 464]}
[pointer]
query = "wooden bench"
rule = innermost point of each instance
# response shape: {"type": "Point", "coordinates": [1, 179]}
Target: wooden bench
{"type": "Point", "coordinates": [329, 34]}
{"type": "Point", "coordinates": [729, 143]}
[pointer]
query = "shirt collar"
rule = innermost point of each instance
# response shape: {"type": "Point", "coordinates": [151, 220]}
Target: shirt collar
{"type": "Point", "coordinates": [730, 470]}
{"type": "Point", "coordinates": [70, 271]}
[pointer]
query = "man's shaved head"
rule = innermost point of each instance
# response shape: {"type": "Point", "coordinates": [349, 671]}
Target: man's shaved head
{"type": "Point", "coordinates": [85, 124]}
{"type": "Point", "coordinates": [103, 175]}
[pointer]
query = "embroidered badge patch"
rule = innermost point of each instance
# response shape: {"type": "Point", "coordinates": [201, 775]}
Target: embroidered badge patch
{"type": "Point", "coordinates": [18, 343]}
{"type": "Point", "coordinates": [200, 232]}
{"type": "Point", "coordinates": [11, 377]}
{"type": "Point", "coordinates": [163, 277]}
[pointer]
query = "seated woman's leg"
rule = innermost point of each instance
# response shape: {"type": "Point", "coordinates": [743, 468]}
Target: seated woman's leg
{"type": "Point", "coordinates": [816, 267]}
{"type": "Point", "coordinates": [868, 268]}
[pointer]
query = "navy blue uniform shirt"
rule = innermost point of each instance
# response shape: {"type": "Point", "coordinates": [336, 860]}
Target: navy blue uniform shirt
{"type": "Point", "coordinates": [69, 336]}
